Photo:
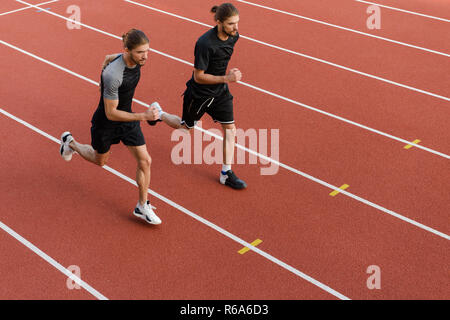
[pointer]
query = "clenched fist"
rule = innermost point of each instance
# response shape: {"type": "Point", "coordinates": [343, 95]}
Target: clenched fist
{"type": "Point", "coordinates": [151, 114]}
{"type": "Point", "coordinates": [234, 75]}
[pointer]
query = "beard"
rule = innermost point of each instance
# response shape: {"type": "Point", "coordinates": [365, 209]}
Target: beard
{"type": "Point", "coordinates": [139, 62]}
{"type": "Point", "coordinates": [231, 33]}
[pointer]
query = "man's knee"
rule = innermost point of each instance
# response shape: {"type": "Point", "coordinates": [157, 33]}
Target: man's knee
{"type": "Point", "coordinates": [145, 162]}
{"type": "Point", "coordinates": [101, 159]}
{"type": "Point", "coordinates": [183, 125]}
{"type": "Point", "coordinates": [100, 162]}
{"type": "Point", "coordinates": [229, 129]}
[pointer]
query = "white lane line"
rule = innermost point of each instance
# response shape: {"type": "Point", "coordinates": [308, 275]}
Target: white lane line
{"type": "Point", "coordinates": [52, 261]}
{"type": "Point", "coordinates": [182, 209]}
{"type": "Point", "coordinates": [402, 10]}
{"type": "Point", "coordinates": [264, 91]}
{"type": "Point", "coordinates": [403, 141]}
{"type": "Point", "coordinates": [48, 62]}
{"type": "Point", "coordinates": [346, 120]}
{"type": "Point", "coordinates": [306, 56]}
{"type": "Point", "coordinates": [25, 8]}
{"type": "Point", "coordinates": [346, 29]}
{"type": "Point", "coordinates": [289, 168]}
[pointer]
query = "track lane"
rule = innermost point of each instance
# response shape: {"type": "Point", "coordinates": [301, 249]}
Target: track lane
{"type": "Point", "coordinates": [206, 175]}
{"type": "Point", "coordinates": [6, 6]}
{"type": "Point", "coordinates": [361, 52]}
{"type": "Point", "coordinates": [119, 254]}
{"type": "Point", "coordinates": [337, 172]}
{"type": "Point", "coordinates": [25, 276]}
{"type": "Point", "coordinates": [343, 95]}
{"type": "Point", "coordinates": [389, 101]}
{"type": "Point", "coordinates": [435, 8]}
{"type": "Point", "coordinates": [113, 237]}
{"type": "Point", "coordinates": [309, 161]}
{"type": "Point", "coordinates": [395, 25]}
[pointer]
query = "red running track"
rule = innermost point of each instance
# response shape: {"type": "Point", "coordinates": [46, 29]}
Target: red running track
{"type": "Point", "coordinates": [188, 260]}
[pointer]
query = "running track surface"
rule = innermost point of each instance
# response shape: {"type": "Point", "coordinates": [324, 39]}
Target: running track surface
{"type": "Point", "coordinates": [314, 246]}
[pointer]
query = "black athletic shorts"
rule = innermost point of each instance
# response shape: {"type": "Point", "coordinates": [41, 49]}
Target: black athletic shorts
{"type": "Point", "coordinates": [129, 133]}
{"type": "Point", "coordinates": [219, 108]}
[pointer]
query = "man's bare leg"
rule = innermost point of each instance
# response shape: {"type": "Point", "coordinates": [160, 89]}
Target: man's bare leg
{"type": "Point", "coordinates": [144, 161]}
{"type": "Point", "coordinates": [142, 171]}
{"type": "Point", "coordinates": [88, 153]}
{"type": "Point", "coordinates": [172, 121]}
{"type": "Point", "coordinates": [229, 135]}
{"type": "Point", "coordinates": [227, 176]}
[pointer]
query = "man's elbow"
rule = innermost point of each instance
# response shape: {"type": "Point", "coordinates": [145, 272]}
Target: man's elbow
{"type": "Point", "coordinates": [197, 78]}
{"type": "Point", "coordinates": [110, 115]}
{"type": "Point", "coordinates": [110, 109]}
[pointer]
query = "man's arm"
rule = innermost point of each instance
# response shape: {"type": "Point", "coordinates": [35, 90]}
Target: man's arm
{"type": "Point", "coordinates": [202, 55]}
{"type": "Point", "coordinates": [118, 115]}
{"type": "Point", "coordinates": [204, 78]}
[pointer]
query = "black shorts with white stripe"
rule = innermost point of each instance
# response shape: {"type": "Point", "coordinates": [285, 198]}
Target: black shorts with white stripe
{"type": "Point", "coordinates": [219, 108]}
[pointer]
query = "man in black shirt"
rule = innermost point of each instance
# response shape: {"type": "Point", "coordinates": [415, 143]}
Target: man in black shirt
{"type": "Point", "coordinates": [207, 91]}
{"type": "Point", "coordinates": [114, 121]}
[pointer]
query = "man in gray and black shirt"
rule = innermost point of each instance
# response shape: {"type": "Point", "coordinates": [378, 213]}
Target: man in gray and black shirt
{"type": "Point", "coordinates": [114, 121]}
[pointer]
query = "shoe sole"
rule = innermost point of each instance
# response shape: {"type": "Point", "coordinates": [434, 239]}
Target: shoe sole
{"type": "Point", "coordinates": [234, 186]}
{"type": "Point", "coordinates": [153, 122]}
{"type": "Point", "coordinates": [61, 149]}
{"type": "Point", "coordinates": [144, 217]}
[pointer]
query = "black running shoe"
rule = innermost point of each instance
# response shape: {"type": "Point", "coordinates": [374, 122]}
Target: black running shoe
{"type": "Point", "coordinates": [230, 179]}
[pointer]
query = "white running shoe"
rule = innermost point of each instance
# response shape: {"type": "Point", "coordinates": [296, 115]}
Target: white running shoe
{"type": "Point", "coordinates": [65, 150]}
{"type": "Point", "coordinates": [146, 213]}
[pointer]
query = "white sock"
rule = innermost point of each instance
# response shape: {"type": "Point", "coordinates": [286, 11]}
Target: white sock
{"type": "Point", "coordinates": [226, 167]}
{"type": "Point", "coordinates": [141, 206]}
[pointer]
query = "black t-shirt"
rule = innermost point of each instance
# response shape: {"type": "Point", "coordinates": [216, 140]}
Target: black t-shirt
{"type": "Point", "coordinates": [212, 55]}
{"type": "Point", "coordinates": [118, 82]}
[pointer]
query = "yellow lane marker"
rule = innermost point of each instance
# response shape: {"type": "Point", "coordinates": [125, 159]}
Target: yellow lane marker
{"type": "Point", "coordinates": [335, 192]}
{"type": "Point", "coordinates": [409, 146]}
{"type": "Point", "coordinates": [254, 243]}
